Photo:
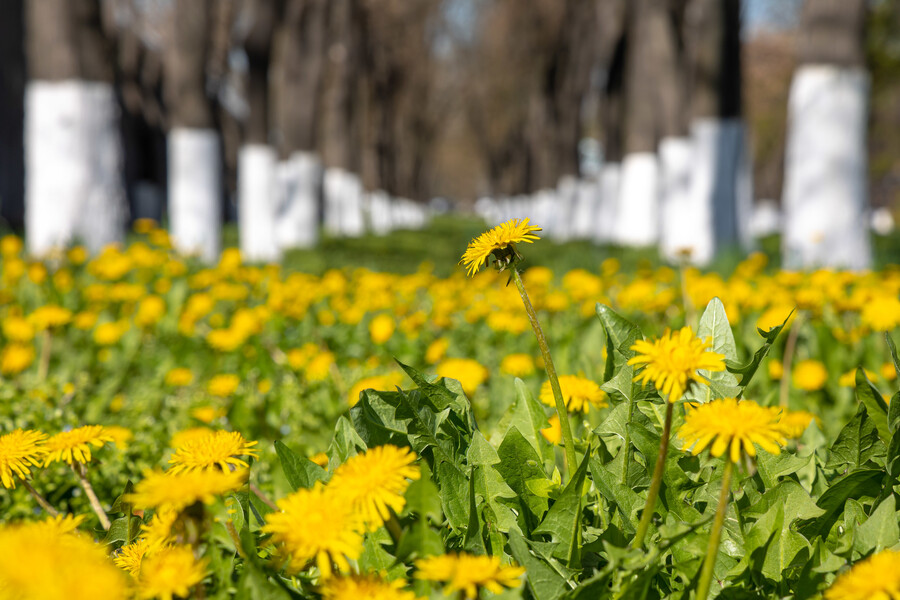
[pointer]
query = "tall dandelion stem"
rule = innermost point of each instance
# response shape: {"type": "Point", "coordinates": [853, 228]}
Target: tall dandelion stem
{"type": "Point", "coordinates": [44, 365]}
{"type": "Point", "coordinates": [656, 482]}
{"type": "Point", "coordinates": [565, 425]}
{"type": "Point", "coordinates": [40, 499]}
{"type": "Point", "coordinates": [712, 550]}
{"type": "Point", "coordinates": [79, 470]}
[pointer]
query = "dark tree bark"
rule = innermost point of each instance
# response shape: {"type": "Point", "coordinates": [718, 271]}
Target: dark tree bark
{"type": "Point", "coordinates": [833, 32]}
{"type": "Point", "coordinates": [340, 141]}
{"type": "Point", "coordinates": [714, 48]}
{"type": "Point", "coordinates": [299, 58]}
{"type": "Point", "coordinates": [258, 46]}
{"type": "Point", "coordinates": [52, 40]}
{"type": "Point", "coordinates": [12, 114]}
{"type": "Point", "coordinates": [187, 102]}
{"type": "Point", "coordinates": [640, 134]}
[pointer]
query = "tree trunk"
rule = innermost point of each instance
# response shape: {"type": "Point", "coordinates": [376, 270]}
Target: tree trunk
{"type": "Point", "coordinates": [257, 158]}
{"type": "Point", "coordinates": [12, 114]}
{"type": "Point", "coordinates": [637, 212]}
{"type": "Point", "coordinates": [340, 139]}
{"type": "Point", "coordinates": [825, 197]}
{"type": "Point", "coordinates": [195, 164]}
{"type": "Point", "coordinates": [298, 70]}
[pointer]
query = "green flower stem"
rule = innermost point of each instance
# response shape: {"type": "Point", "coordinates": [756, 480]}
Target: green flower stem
{"type": "Point", "coordinates": [233, 534]}
{"type": "Point", "coordinates": [40, 499]}
{"type": "Point", "coordinates": [656, 482]}
{"type": "Point", "coordinates": [80, 471]}
{"type": "Point", "coordinates": [712, 551]}
{"type": "Point", "coordinates": [565, 425]}
{"type": "Point", "coordinates": [393, 528]}
{"type": "Point", "coordinates": [44, 364]}
{"type": "Point", "coordinates": [787, 364]}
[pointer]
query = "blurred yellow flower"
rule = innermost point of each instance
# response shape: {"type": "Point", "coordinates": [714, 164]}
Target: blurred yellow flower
{"type": "Point", "coordinates": [467, 574]}
{"type": "Point", "coordinates": [220, 449]}
{"type": "Point", "coordinates": [469, 373]}
{"type": "Point", "coordinates": [149, 311]}
{"type": "Point", "coordinates": [171, 572]}
{"type": "Point", "coordinates": [875, 578]}
{"type": "Point", "coordinates": [179, 377]}
{"type": "Point", "coordinates": [381, 328]}
{"type": "Point", "coordinates": [379, 383]}
{"type": "Point", "coordinates": [578, 393]}
{"type": "Point", "coordinates": [553, 433]}
{"type": "Point", "coordinates": [517, 365]}
{"type": "Point", "coordinates": [17, 329]}
{"type": "Point", "coordinates": [776, 369]}
{"type": "Point", "coordinates": [50, 316]}
{"type": "Point", "coordinates": [223, 385]}
{"type": "Point", "coordinates": [180, 490]}
{"type": "Point", "coordinates": [809, 375]}
{"type": "Point", "coordinates": [16, 358]}
{"type": "Point", "coordinates": [436, 350]}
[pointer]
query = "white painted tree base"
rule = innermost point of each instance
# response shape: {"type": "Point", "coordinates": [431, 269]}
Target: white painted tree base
{"type": "Point", "coordinates": [73, 166]}
{"type": "Point", "coordinates": [584, 211]}
{"type": "Point", "coordinates": [637, 210]}
{"type": "Point", "coordinates": [297, 217]}
{"type": "Point", "coordinates": [679, 223]}
{"type": "Point", "coordinates": [343, 203]}
{"type": "Point", "coordinates": [257, 196]}
{"type": "Point", "coordinates": [560, 226]}
{"type": "Point", "coordinates": [195, 192]}
{"type": "Point", "coordinates": [380, 212]}
{"type": "Point", "coordinates": [605, 220]}
{"type": "Point", "coordinates": [825, 187]}
{"type": "Point", "coordinates": [101, 220]}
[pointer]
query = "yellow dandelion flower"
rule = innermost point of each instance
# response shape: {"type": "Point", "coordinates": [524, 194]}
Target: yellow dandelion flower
{"type": "Point", "coordinates": [672, 362]}
{"type": "Point", "coordinates": [381, 328]}
{"type": "Point", "coordinates": [129, 557]}
{"type": "Point", "coordinates": [810, 375]}
{"type": "Point", "coordinates": [469, 373]}
{"type": "Point", "coordinates": [467, 573]}
{"type": "Point", "coordinates": [436, 350]}
{"type": "Point", "coordinates": [181, 490]}
{"type": "Point", "coordinates": [208, 414]}
{"type": "Point", "coordinates": [776, 370]}
{"type": "Point", "coordinates": [158, 531]}
{"type": "Point", "coordinates": [53, 563]}
{"type": "Point", "coordinates": [794, 422]}
{"type": "Point", "coordinates": [320, 458]}
{"type": "Point", "coordinates": [49, 316]}
{"type": "Point", "coordinates": [848, 379]}
{"type": "Point", "coordinates": [319, 367]}
{"type": "Point", "coordinates": [316, 524]}
{"type": "Point", "coordinates": [365, 587]}
{"type": "Point", "coordinates": [501, 242]}
{"type": "Point", "coordinates": [733, 425]}
{"type": "Point", "coordinates": [186, 436]}
{"type": "Point", "coordinates": [18, 329]}
{"type": "Point", "coordinates": [553, 433]}
{"type": "Point", "coordinates": [881, 313]}
{"type": "Point", "coordinates": [169, 573]}
{"type": "Point", "coordinates": [75, 445]}
{"type": "Point", "coordinates": [58, 525]}
{"type": "Point", "coordinates": [179, 377]}
{"type": "Point", "coordinates": [219, 449]}
{"type": "Point", "coordinates": [373, 483]}
{"type": "Point", "coordinates": [517, 365]}
{"type": "Point", "coordinates": [876, 578]}
{"type": "Point", "coordinates": [120, 435]}
{"type": "Point", "coordinates": [888, 372]}
{"type": "Point", "coordinates": [223, 385]}
{"type": "Point", "coordinates": [19, 451]}
{"type": "Point", "coordinates": [578, 393]}
{"type": "Point", "coordinates": [379, 383]}
{"type": "Point", "coordinates": [149, 311]}
{"type": "Point", "coordinates": [16, 358]}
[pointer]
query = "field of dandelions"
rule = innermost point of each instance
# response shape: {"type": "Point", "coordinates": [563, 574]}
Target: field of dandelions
{"type": "Point", "coordinates": [510, 430]}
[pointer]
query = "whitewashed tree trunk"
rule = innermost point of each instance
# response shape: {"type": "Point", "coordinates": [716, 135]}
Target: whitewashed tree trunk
{"type": "Point", "coordinates": [566, 195]}
{"type": "Point", "coordinates": [679, 224]}
{"type": "Point", "coordinates": [585, 209]}
{"type": "Point", "coordinates": [101, 220]}
{"type": "Point", "coordinates": [297, 220]}
{"type": "Point", "coordinates": [637, 210]}
{"type": "Point", "coordinates": [257, 196]}
{"type": "Point", "coordinates": [825, 187]}
{"type": "Point", "coordinates": [545, 202]}
{"type": "Point", "coordinates": [605, 221]}
{"type": "Point", "coordinates": [380, 212]}
{"type": "Point", "coordinates": [352, 223]}
{"type": "Point", "coordinates": [57, 163]}
{"type": "Point", "coordinates": [195, 191]}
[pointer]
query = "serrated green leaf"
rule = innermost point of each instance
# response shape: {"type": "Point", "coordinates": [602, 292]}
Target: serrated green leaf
{"type": "Point", "coordinates": [869, 395]}
{"type": "Point", "coordinates": [880, 530]}
{"type": "Point", "coordinates": [715, 326]}
{"type": "Point", "coordinates": [519, 465]}
{"type": "Point", "coordinates": [747, 371]}
{"type": "Point", "coordinates": [893, 348]}
{"type": "Point", "coordinates": [857, 443]}
{"type": "Point", "coordinates": [423, 497]}
{"type": "Point", "coordinates": [375, 559]}
{"type": "Point", "coordinates": [623, 497]}
{"type": "Point", "coordinates": [545, 581]}
{"type": "Point", "coordinates": [773, 466]}
{"type": "Point", "coordinates": [300, 472]}
{"type": "Point", "coordinates": [563, 521]}
{"type": "Point", "coordinates": [791, 497]}
{"type": "Point", "coordinates": [119, 530]}
{"type": "Point", "coordinates": [858, 484]}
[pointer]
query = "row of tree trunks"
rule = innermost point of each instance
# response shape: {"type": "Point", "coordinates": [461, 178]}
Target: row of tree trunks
{"type": "Point", "coordinates": [73, 152]}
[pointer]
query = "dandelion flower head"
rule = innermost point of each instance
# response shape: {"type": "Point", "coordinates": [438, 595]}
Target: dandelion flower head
{"type": "Point", "coordinates": [374, 483]}
{"type": "Point", "coordinates": [672, 361]}
{"type": "Point", "coordinates": [180, 490]}
{"type": "Point", "coordinates": [732, 425]}
{"type": "Point", "coordinates": [217, 449]}
{"type": "Point", "coordinates": [19, 451]}
{"type": "Point", "coordinates": [170, 573]}
{"type": "Point", "coordinates": [365, 587]}
{"type": "Point", "coordinates": [468, 573]}
{"type": "Point", "coordinates": [579, 393]}
{"type": "Point", "coordinates": [876, 578]}
{"type": "Point", "coordinates": [75, 445]}
{"type": "Point", "coordinates": [810, 375]}
{"type": "Point", "coordinates": [316, 524]}
{"type": "Point", "coordinates": [503, 237]}
{"type": "Point", "coordinates": [129, 557]}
